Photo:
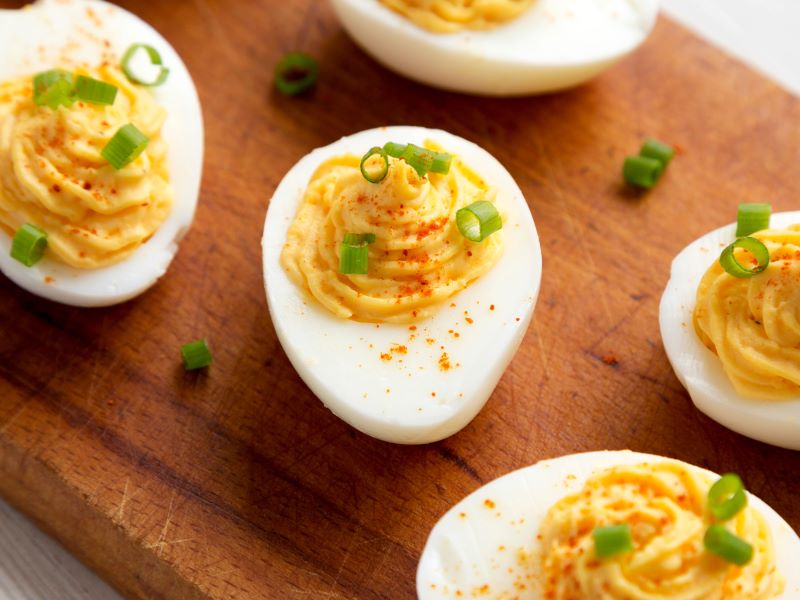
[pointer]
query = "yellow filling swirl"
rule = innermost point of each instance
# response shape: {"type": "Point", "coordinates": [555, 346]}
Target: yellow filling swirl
{"type": "Point", "coordinates": [665, 505]}
{"type": "Point", "coordinates": [446, 16]}
{"type": "Point", "coordinates": [753, 324]}
{"type": "Point", "coordinates": [52, 174]}
{"type": "Point", "coordinates": [419, 257]}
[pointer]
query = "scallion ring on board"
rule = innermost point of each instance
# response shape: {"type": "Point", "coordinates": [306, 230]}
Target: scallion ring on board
{"type": "Point", "coordinates": [377, 174]}
{"type": "Point", "coordinates": [755, 247]}
{"type": "Point", "coordinates": [155, 59]}
{"type": "Point", "coordinates": [196, 355]}
{"type": "Point", "coordinates": [751, 218]}
{"type": "Point", "coordinates": [641, 171]}
{"type": "Point", "coordinates": [478, 221]}
{"type": "Point", "coordinates": [28, 244]}
{"type": "Point", "coordinates": [295, 73]}
{"type": "Point", "coordinates": [660, 151]}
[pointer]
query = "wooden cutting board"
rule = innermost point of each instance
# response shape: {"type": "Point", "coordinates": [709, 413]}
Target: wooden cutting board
{"type": "Point", "coordinates": [238, 483]}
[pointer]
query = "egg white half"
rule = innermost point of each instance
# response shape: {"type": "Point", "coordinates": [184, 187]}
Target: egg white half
{"type": "Point", "coordinates": [700, 371]}
{"type": "Point", "coordinates": [463, 552]}
{"type": "Point", "coordinates": [553, 45]}
{"type": "Point", "coordinates": [340, 359]}
{"type": "Point", "coordinates": [34, 39]}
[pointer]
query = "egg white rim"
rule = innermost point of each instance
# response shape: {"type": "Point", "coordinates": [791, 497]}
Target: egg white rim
{"type": "Point", "coordinates": [700, 371]}
{"type": "Point", "coordinates": [481, 43]}
{"type": "Point", "coordinates": [183, 132]}
{"type": "Point", "coordinates": [288, 304]}
{"type": "Point", "coordinates": [523, 498]}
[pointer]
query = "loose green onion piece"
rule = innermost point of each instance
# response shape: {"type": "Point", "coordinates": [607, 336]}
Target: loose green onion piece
{"type": "Point", "coordinates": [752, 218]}
{"type": "Point", "coordinates": [640, 171]}
{"type": "Point", "coordinates": [196, 355]}
{"type": "Point", "coordinates": [755, 247]}
{"type": "Point", "coordinates": [295, 73]}
{"type": "Point", "coordinates": [155, 59]}
{"type": "Point", "coordinates": [421, 159]}
{"type": "Point", "coordinates": [94, 91]}
{"type": "Point", "coordinates": [718, 540]}
{"type": "Point", "coordinates": [394, 149]}
{"type": "Point", "coordinates": [28, 244]}
{"type": "Point", "coordinates": [371, 174]}
{"type": "Point", "coordinates": [478, 221]}
{"type": "Point", "coordinates": [127, 144]}
{"type": "Point", "coordinates": [53, 88]}
{"type": "Point", "coordinates": [726, 497]}
{"type": "Point", "coordinates": [441, 163]}
{"type": "Point", "coordinates": [612, 540]}
{"type": "Point", "coordinates": [657, 150]}
{"type": "Point", "coordinates": [357, 239]}
{"type": "Point", "coordinates": [353, 259]}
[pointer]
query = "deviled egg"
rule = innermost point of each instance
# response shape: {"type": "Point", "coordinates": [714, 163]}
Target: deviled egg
{"type": "Point", "coordinates": [733, 341]}
{"type": "Point", "coordinates": [401, 267]}
{"type": "Point", "coordinates": [498, 47]}
{"type": "Point", "coordinates": [611, 525]}
{"type": "Point", "coordinates": [106, 169]}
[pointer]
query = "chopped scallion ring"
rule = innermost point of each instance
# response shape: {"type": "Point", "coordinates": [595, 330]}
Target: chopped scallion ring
{"type": "Point", "coordinates": [394, 149]}
{"type": "Point", "coordinates": [641, 171]}
{"type": "Point", "coordinates": [478, 221]}
{"type": "Point", "coordinates": [726, 497]}
{"type": "Point", "coordinates": [126, 145]}
{"type": "Point", "coordinates": [94, 91]}
{"type": "Point", "coordinates": [752, 218]}
{"type": "Point", "coordinates": [375, 174]}
{"type": "Point", "coordinates": [356, 239]}
{"type": "Point", "coordinates": [755, 247]}
{"type": "Point", "coordinates": [196, 355]}
{"type": "Point", "coordinates": [53, 88]}
{"type": "Point", "coordinates": [353, 259]}
{"type": "Point", "coordinates": [728, 546]}
{"type": "Point", "coordinates": [28, 244]}
{"type": "Point", "coordinates": [612, 540]}
{"type": "Point", "coordinates": [441, 163]}
{"type": "Point", "coordinates": [657, 150]}
{"type": "Point", "coordinates": [421, 159]}
{"type": "Point", "coordinates": [295, 73]}
{"type": "Point", "coordinates": [155, 59]}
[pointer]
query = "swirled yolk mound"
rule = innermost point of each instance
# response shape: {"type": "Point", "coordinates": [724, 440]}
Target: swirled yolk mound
{"type": "Point", "coordinates": [447, 16]}
{"type": "Point", "coordinates": [419, 258]}
{"type": "Point", "coordinates": [753, 324]}
{"type": "Point", "coordinates": [665, 505]}
{"type": "Point", "coordinates": [53, 176]}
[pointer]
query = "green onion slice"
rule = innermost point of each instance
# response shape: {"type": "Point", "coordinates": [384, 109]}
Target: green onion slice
{"type": "Point", "coordinates": [28, 244]}
{"type": "Point", "coordinates": [155, 59]}
{"type": "Point", "coordinates": [357, 239]}
{"type": "Point", "coordinates": [421, 159]}
{"type": "Point", "coordinates": [478, 221]}
{"type": "Point", "coordinates": [612, 540]}
{"type": "Point", "coordinates": [752, 218]}
{"type": "Point", "coordinates": [353, 259]}
{"type": "Point", "coordinates": [657, 150]}
{"type": "Point", "coordinates": [95, 91]}
{"type": "Point", "coordinates": [641, 171]}
{"type": "Point", "coordinates": [727, 497]}
{"type": "Point", "coordinates": [755, 247]}
{"type": "Point", "coordinates": [394, 149]}
{"type": "Point", "coordinates": [718, 540]}
{"type": "Point", "coordinates": [441, 163]}
{"type": "Point", "coordinates": [196, 355]}
{"type": "Point", "coordinates": [295, 73]}
{"type": "Point", "coordinates": [371, 174]}
{"type": "Point", "coordinates": [126, 145]}
{"type": "Point", "coordinates": [53, 88]}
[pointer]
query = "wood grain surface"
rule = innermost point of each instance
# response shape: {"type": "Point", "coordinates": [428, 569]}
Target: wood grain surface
{"type": "Point", "coordinates": [238, 483]}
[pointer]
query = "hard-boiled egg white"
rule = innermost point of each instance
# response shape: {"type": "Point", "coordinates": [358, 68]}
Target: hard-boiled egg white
{"type": "Point", "coordinates": [52, 33]}
{"type": "Point", "coordinates": [699, 369]}
{"type": "Point", "coordinates": [553, 45]}
{"type": "Point", "coordinates": [410, 399]}
{"type": "Point", "coordinates": [479, 543]}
